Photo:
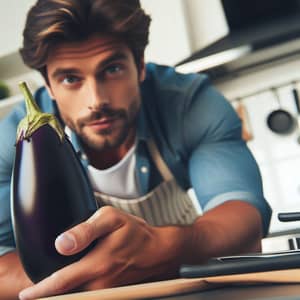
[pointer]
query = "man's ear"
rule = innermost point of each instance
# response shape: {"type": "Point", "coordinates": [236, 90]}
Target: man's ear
{"type": "Point", "coordinates": [142, 73]}
{"type": "Point", "coordinates": [49, 90]}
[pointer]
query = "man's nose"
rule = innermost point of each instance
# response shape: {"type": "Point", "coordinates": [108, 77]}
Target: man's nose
{"type": "Point", "coordinates": [97, 97]}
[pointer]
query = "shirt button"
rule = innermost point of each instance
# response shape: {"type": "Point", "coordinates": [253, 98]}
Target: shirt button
{"type": "Point", "coordinates": [144, 169]}
{"type": "Point", "coordinates": [83, 156]}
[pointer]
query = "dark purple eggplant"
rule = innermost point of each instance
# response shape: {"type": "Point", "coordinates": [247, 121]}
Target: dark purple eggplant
{"type": "Point", "coordinates": [50, 191]}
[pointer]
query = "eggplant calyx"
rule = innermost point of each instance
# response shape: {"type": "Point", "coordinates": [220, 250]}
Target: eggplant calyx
{"type": "Point", "coordinates": [35, 118]}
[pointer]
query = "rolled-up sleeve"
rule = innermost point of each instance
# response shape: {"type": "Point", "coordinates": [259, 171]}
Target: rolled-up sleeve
{"type": "Point", "coordinates": [6, 236]}
{"type": "Point", "coordinates": [221, 167]}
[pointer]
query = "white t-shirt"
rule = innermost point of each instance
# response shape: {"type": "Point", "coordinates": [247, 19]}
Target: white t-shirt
{"type": "Point", "coordinates": [118, 180]}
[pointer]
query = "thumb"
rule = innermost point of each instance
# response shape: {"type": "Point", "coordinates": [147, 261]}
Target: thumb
{"type": "Point", "coordinates": [75, 239]}
{"type": "Point", "coordinates": [103, 222]}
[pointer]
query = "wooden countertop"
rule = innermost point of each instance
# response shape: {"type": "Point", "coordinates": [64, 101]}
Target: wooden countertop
{"type": "Point", "coordinates": [177, 286]}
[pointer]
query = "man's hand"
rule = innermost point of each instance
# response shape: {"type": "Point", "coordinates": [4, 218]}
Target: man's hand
{"type": "Point", "coordinates": [128, 250]}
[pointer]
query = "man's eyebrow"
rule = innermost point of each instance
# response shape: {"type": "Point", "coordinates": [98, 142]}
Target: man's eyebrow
{"type": "Point", "coordinates": [64, 71]}
{"type": "Point", "coordinates": [112, 58]}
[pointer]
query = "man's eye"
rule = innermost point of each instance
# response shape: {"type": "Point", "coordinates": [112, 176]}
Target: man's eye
{"type": "Point", "coordinates": [70, 80]}
{"type": "Point", "coordinates": [113, 70]}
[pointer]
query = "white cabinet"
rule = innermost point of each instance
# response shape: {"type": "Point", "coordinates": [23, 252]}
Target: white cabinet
{"type": "Point", "coordinates": [206, 21]}
{"type": "Point", "coordinates": [169, 34]}
{"type": "Point", "coordinates": [12, 20]}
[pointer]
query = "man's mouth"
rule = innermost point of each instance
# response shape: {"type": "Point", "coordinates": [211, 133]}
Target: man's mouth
{"type": "Point", "coordinates": [102, 124]}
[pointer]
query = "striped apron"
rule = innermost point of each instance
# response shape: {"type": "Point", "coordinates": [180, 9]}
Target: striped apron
{"type": "Point", "coordinates": [167, 204]}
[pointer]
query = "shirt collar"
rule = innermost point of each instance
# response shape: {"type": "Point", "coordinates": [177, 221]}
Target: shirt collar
{"type": "Point", "coordinates": [143, 130]}
{"type": "Point", "coordinates": [74, 140]}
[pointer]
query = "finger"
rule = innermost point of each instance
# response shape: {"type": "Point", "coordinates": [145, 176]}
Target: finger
{"type": "Point", "coordinates": [60, 282]}
{"type": "Point", "coordinates": [104, 221]}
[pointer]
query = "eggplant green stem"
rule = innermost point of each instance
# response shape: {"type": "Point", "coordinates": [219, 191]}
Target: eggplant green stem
{"type": "Point", "coordinates": [35, 118]}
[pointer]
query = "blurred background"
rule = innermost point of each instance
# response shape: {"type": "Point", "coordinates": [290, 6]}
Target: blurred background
{"type": "Point", "coordinates": [251, 51]}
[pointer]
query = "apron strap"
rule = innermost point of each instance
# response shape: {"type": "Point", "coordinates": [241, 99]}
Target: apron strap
{"type": "Point", "coordinates": [161, 165]}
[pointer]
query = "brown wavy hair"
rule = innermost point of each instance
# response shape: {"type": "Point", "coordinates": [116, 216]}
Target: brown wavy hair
{"type": "Point", "coordinates": [51, 22]}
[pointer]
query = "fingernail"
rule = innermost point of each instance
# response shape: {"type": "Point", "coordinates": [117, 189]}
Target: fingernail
{"type": "Point", "coordinates": [65, 242]}
{"type": "Point", "coordinates": [22, 296]}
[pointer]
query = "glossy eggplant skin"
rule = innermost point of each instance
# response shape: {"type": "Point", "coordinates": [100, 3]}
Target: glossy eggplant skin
{"type": "Point", "coordinates": [50, 194]}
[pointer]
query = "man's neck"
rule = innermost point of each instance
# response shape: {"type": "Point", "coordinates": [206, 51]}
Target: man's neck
{"type": "Point", "coordinates": [107, 158]}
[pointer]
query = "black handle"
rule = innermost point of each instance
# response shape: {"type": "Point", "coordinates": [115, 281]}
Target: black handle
{"type": "Point", "coordinates": [296, 99]}
{"type": "Point", "coordinates": [289, 217]}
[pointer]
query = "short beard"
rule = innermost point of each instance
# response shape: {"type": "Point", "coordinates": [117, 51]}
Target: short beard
{"type": "Point", "coordinates": [128, 118]}
{"type": "Point", "coordinates": [108, 143]}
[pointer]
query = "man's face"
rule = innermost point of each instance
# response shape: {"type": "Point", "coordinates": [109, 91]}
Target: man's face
{"type": "Point", "coordinates": [96, 86]}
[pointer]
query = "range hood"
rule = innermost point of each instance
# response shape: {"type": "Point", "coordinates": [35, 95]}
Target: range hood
{"type": "Point", "coordinates": [247, 48]}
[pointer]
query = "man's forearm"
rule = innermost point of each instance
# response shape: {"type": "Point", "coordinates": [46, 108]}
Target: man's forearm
{"type": "Point", "coordinates": [12, 277]}
{"type": "Point", "coordinates": [232, 228]}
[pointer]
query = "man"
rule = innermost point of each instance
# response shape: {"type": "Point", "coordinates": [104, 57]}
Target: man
{"type": "Point", "coordinates": [145, 135]}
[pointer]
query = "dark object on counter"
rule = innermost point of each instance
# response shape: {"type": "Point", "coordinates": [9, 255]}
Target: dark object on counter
{"type": "Point", "coordinates": [4, 90]}
{"type": "Point", "coordinates": [280, 121]}
{"type": "Point", "coordinates": [50, 191]}
{"type": "Point", "coordinates": [289, 216]}
{"type": "Point", "coordinates": [258, 262]}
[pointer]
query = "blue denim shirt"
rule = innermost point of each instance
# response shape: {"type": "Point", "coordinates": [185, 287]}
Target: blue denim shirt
{"type": "Point", "coordinates": [196, 130]}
